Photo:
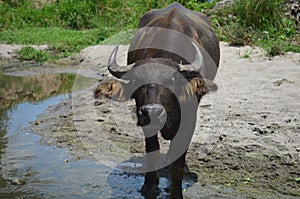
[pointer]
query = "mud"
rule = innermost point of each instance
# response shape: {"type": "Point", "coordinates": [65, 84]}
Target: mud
{"type": "Point", "coordinates": [247, 138]}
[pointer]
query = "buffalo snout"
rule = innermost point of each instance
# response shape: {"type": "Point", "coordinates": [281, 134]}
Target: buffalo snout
{"type": "Point", "coordinates": [152, 116]}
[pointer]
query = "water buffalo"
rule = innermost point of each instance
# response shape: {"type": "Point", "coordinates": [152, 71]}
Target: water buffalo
{"type": "Point", "coordinates": [171, 63]}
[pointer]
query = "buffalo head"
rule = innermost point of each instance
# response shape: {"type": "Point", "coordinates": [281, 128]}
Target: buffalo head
{"type": "Point", "coordinates": [159, 86]}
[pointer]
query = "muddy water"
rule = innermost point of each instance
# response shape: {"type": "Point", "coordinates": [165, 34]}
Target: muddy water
{"type": "Point", "coordinates": [29, 169]}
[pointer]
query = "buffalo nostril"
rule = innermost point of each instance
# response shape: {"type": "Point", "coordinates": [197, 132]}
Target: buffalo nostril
{"type": "Point", "coordinates": [158, 110]}
{"type": "Point", "coordinates": [144, 111]}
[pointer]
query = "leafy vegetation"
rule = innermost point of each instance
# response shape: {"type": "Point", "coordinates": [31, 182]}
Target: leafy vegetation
{"type": "Point", "coordinates": [70, 25]}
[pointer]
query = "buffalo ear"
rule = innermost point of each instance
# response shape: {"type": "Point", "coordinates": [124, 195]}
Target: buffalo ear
{"type": "Point", "coordinates": [202, 86]}
{"type": "Point", "coordinates": [112, 89]}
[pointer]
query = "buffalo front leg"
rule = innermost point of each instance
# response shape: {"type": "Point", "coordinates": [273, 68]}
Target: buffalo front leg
{"type": "Point", "coordinates": [150, 186]}
{"type": "Point", "coordinates": [177, 172]}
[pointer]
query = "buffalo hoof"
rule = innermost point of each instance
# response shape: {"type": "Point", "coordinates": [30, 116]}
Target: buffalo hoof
{"type": "Point", "coordinates": [150, 191]}
{"type": "Point", "coordinates": [176, 196]}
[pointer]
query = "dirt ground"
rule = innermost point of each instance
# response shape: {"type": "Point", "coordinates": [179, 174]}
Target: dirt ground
{"type": "Point", "coordinates": [247, 137]}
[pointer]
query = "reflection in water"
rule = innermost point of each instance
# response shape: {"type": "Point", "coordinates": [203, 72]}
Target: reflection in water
{"type": "Point", "coordinates": [19, 154]}
{"type": "Point", "coordinates": [42, 171]}
{"type": "Point", "coordinates": [15, 90]}
{"type": "Point", "coordinates": [21, 100]}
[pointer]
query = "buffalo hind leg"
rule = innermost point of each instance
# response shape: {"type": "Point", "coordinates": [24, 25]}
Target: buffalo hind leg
{"type": "Point", "coordinates": [150, 187]}
{"type": "Point", "coordinates": [177, 172]}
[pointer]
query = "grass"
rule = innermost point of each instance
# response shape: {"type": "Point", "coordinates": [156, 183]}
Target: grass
{"type": "Point", "coordinates": [30, 53]}
{"type": "Point", "coordinates": [63, 41]}
{"type": "Point", "coordinates": [260, 13]}
{"type": "Point", "coordinates": [71, 25]}
{"type": "Point", "coordinates": [52, 35]}
{"type": "Point", "coordinates": [257, 22]}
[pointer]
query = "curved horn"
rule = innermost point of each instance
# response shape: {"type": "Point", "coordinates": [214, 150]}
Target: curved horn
{"type": "Point", "coordinates": [115, 69]}
{"type": "Point", "coordinates": [192, 70]}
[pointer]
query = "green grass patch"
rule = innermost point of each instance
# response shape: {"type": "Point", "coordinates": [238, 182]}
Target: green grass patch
{"type": "Point", "coordinates": [71, 25]}
{"type": "Point", "coordinates": [74, 14]}
{"type": "Point", "coordinates": [63, 41]}
{"type": "Point", "coordinates": [30, 53]}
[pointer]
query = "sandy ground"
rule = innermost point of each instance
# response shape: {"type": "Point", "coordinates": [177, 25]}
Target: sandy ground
{"type": "Point", "coordinates": [247, 135]}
